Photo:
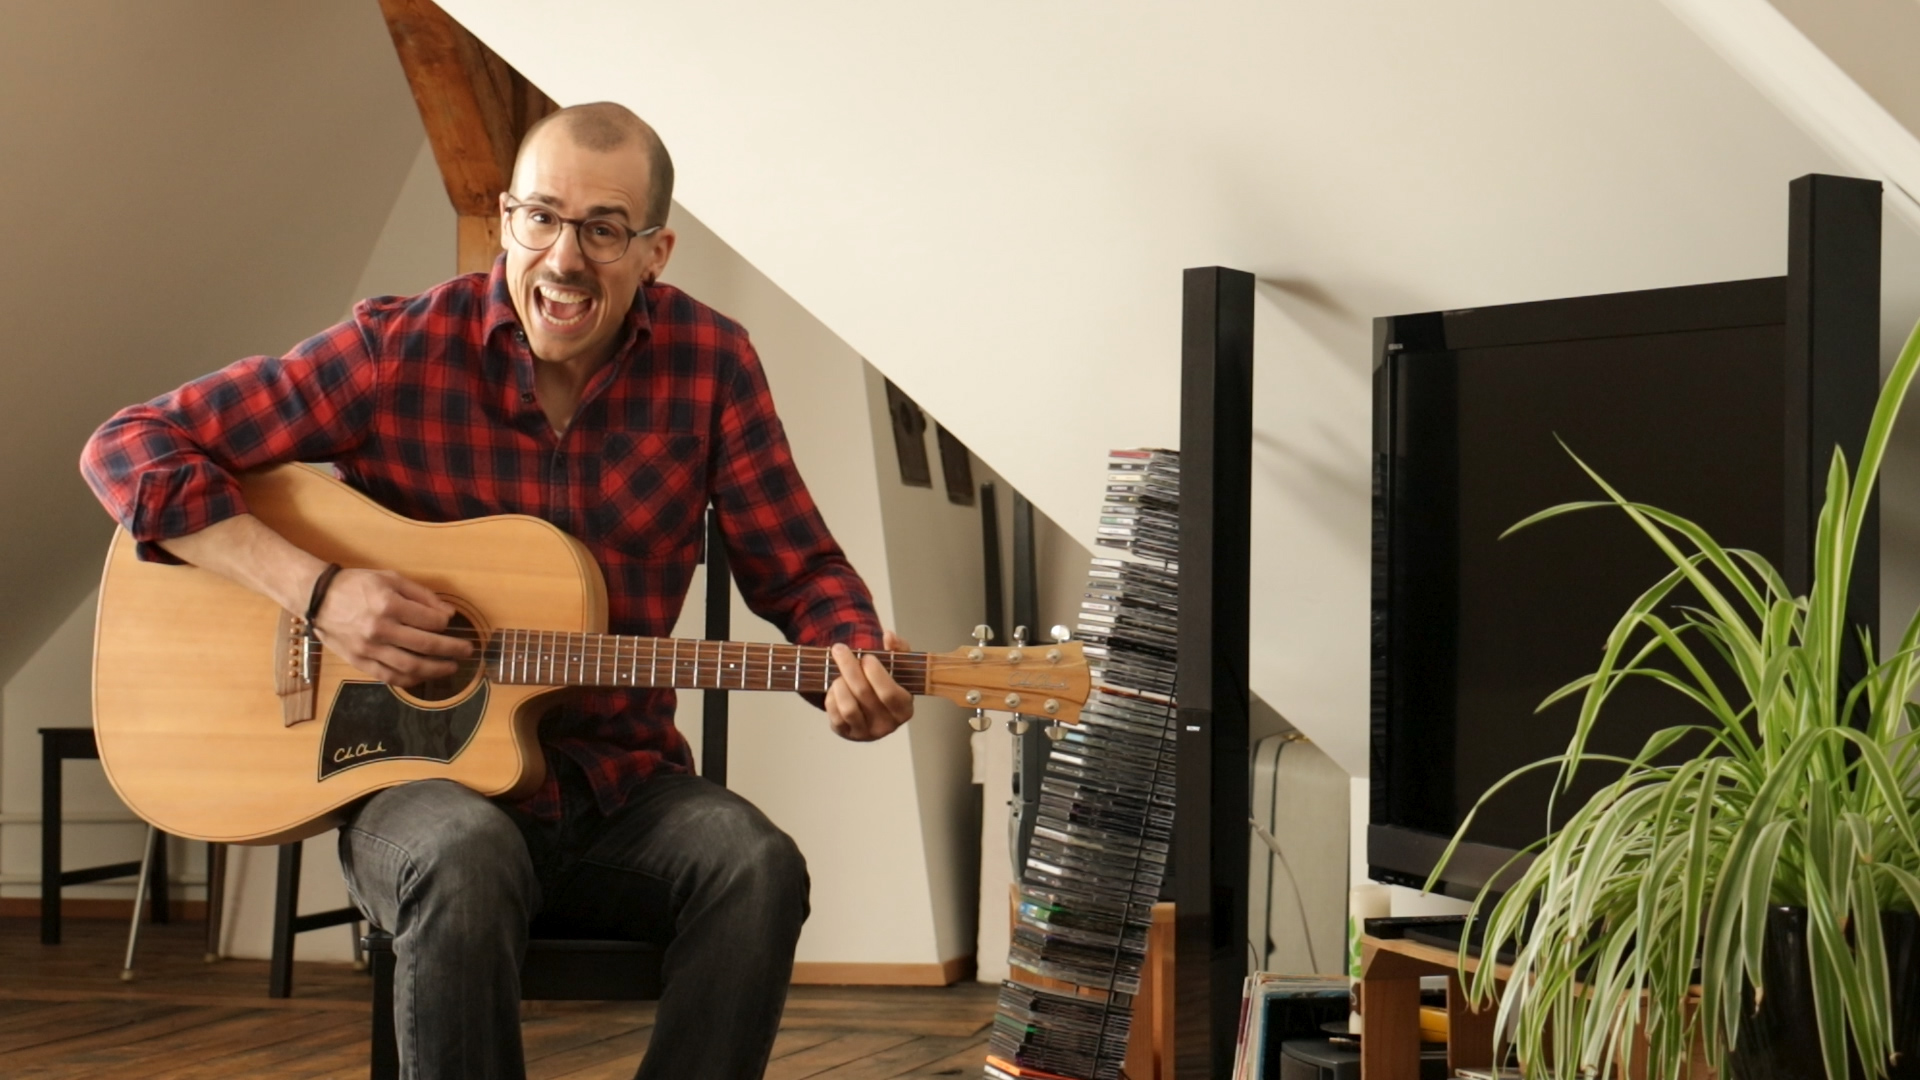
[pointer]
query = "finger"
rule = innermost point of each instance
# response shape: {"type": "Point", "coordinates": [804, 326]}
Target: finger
{"type": "Point", "coordinates": [872, 712]}
{"type": "Point", "coordinates": [851, 682]}
{"type": "Point", "coordinates": [893, 642]}
{"type": "Point", "coordinates": [425, 597]}
{"type": "Point", "coordinates": [436, 615]}
{"type": "Point", "coordinates": [376, 670]}
{"type": "Point", "coordinates": [892, 699]}
{"type": "Point", "coordinates": [866, 702]}
{"type": "Point", "coordinates": [425, 643]}
{"type": "Point", "coordinates": [837, 711]}
{"type": "Point", "coordinates": [410, 667]}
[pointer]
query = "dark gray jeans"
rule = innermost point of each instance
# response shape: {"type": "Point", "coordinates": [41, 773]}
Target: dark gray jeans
{"type": "Point", "coordinates": [458, 880]}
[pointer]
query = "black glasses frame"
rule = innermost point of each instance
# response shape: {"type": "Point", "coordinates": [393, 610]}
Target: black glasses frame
{"type": "Point", "coordinates": [632, 234]}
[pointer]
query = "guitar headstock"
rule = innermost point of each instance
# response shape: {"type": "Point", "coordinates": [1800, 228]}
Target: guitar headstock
{"type": "Point", "coordinates": [1044, 682]}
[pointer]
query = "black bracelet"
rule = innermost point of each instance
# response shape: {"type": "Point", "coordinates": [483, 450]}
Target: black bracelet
{"type": "Point", "coordinates": [320, 585]}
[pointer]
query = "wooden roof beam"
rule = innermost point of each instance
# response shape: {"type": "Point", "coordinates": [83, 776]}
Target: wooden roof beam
{"type": "Point", "coordinates": [476, 108]}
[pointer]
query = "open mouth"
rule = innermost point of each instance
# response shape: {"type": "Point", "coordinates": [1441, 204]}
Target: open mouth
{"type": "Point", "coordinates": [561, 307]}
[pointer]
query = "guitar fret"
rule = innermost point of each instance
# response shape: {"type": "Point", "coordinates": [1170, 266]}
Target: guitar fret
{"type": "Point", "coordinates": [571, 658]}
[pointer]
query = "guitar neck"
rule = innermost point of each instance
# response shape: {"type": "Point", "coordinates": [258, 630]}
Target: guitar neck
{"type": "Point", "coordinates": [556, 658]}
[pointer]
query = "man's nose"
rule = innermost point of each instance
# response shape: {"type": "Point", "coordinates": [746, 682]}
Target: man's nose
{"type": "Point", "coordinates": [567, 253]}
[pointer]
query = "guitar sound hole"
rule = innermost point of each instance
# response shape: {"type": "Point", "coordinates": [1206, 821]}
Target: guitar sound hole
{"type": "Point", "coordinates": [464, 676]}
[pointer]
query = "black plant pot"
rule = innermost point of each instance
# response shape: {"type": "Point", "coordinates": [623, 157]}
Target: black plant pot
{"type": "Point", "coordinates": [1782, 1042]}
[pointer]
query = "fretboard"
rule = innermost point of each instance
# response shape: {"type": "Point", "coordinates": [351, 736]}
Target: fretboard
{"type": "Point", "coordinates": [554, 658]}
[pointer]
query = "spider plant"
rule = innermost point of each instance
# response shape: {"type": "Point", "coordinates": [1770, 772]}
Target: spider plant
{"type": "Point", "coordinates": [1645, 914]}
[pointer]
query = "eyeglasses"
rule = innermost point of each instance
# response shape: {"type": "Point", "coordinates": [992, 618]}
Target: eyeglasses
{"type": "Point", "coordinates": [602, 239]}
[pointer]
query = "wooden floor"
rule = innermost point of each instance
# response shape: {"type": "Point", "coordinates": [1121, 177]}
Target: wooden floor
{"type": "Point", "coordinates": [64, 1013]}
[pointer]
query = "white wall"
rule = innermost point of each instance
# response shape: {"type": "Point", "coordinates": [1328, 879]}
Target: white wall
{"type": "Point", "coordinates": [189, 183]}
{"type": "Point", "coordinates": [852, 807]}
{"type": "Point", "coordinates": [934, 563]}
{"type": "Point", "coordinates": [414, 250]}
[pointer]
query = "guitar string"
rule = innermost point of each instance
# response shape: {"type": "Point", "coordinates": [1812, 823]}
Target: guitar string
{"type": "Point", "coordinates": [589, 640]}
{"type": "Point", "coordinates": [806, 663]}
{"type": "Point", "coordinates": [587, 646]}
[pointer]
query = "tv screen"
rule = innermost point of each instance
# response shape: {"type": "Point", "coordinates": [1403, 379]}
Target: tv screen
{"type": "Point", "coordinates": [1679, 398]}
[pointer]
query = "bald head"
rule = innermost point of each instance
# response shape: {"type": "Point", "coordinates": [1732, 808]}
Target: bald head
{"type": "Point", "coordinates": [604, 126]}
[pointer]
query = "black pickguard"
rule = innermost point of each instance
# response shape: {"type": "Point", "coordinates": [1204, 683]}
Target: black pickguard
{"type": "Point", "coordinates": [370, 723]}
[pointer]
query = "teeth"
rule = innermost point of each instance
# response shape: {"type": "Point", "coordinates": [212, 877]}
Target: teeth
{"type": "Point", "coordinates": [562, 296]}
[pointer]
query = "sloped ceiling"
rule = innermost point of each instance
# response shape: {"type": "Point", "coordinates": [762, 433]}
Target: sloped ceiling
{"type": "Point", "coordinates": [993, 200]}
{"type": "Point", "coordinates": [182, 182]}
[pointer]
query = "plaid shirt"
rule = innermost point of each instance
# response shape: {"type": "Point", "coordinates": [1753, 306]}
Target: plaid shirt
{"type": "Point", "coordinates": [426, 403]}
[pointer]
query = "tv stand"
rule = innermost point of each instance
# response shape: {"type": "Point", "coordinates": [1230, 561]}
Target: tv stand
{"type": "Point", "coordinates": [1390, 973]}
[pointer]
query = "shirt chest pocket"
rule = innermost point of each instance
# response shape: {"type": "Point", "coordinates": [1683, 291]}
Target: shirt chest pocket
{"type": "Point", "coordinates": [652, 492]}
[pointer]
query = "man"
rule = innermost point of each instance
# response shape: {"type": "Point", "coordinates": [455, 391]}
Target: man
{"type": "Point", "coordinates": [570, 384]}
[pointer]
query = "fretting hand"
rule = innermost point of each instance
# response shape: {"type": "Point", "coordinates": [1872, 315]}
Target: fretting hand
{"type": "Point", "coordinates": [864, 703]}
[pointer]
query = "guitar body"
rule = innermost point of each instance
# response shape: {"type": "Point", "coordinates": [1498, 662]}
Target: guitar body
{"type": "Point", "coordinates": [194, 734]}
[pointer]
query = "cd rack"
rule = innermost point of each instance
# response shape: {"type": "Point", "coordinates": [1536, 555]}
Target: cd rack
{"type": "Point", "coordinates": [1104, 828]}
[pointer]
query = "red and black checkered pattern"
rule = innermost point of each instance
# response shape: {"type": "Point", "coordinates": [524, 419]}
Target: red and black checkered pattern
{"type": "Point", "coordinates": [426, 403]}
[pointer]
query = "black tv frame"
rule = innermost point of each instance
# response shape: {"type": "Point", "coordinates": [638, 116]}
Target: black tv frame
{"type": "Point", "coordinates": [1829, 306]}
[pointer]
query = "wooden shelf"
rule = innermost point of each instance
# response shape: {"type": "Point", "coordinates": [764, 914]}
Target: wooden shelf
{"type": "Point", "coordinates": [1390, 973]}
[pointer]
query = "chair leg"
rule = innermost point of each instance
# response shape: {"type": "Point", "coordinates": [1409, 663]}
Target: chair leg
{"type": "Point", "coordinates": [158, 893]}
{"type": "Point", "coordinates": [49, 842]}
{"type": "Point", "coordinates": [286, 905]}
{"type": "Point", "coordinates": [216, 897]}
{"type": "Point", "coordinates": [155, 838]}
{"type": "Point", "coordinates": [386, 1045]}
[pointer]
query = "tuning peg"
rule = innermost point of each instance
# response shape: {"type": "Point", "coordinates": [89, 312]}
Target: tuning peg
{"type": "Point", "coordinates": [982, 634]}
{"type": "Point", "coordinates": [1019, 636]}
{"type": "Point", "coordinates": [979, 721]}
{"type": "Point", "coordinates": [1060, 634]}
{"type": "Point", "coordinates": [1056, 730]}
{"type": "Point", "coordinates": [1018, 724]}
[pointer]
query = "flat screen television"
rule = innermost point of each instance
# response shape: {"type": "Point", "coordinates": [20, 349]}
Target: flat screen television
{"type": "Point", "coordinates": [1694, 399]}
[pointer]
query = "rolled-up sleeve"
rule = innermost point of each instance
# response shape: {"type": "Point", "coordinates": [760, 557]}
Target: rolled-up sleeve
{"type": "Point", "coordinates": [166, 468]}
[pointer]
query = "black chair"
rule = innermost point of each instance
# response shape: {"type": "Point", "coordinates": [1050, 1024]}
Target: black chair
{"type": "Point", "coordinates": [59, 745]}
{"type": "Point", "coordinates": [62, 744]}
{"type": "Point", "coordinates": [287, 922]}
{"type": "Point", "coordinates": [574, 969]}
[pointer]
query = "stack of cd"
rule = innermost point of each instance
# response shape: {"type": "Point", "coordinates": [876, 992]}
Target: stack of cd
{"type": "Point", "coordinates": [1100, 840]}
{"type": "Point", "coordinates": [1044, 1033]}
{"type": "Point", "coordinates": [1142, 510]}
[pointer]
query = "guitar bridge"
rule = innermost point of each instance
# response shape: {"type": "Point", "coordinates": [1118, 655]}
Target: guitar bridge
{"type": "Point", "coordinates": [296, 664]}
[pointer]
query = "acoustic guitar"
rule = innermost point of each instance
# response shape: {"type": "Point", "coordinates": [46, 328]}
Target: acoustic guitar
{"type": "Point", "coordinates": [220, 717]}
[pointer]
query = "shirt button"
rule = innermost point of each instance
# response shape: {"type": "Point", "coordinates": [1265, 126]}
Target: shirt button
{"type": "Point", "coordinates": [526, 396]}
{"type": "Point", "coordinates": [520, 336]}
